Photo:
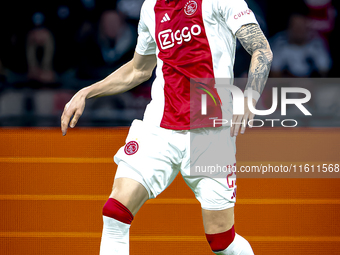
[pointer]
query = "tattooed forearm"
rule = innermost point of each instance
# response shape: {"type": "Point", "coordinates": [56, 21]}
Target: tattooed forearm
{"type": "Point", "coordinates": [259, 70]}
{"type": "Point", "coordinates": [256, 44]}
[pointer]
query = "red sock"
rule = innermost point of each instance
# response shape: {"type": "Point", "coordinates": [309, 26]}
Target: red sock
{"type": "Point", "coordinates": [221, 241]}
{"type": "Point", "coordinates": [116, 210]}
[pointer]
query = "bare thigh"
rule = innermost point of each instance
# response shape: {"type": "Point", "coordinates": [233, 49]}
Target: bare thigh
{"type": "Point", "coordinates": [218, 221]}
{"type": "Point", "coordinates": [130, 193]}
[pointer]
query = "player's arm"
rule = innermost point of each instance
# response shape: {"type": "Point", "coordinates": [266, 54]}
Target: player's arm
{"type": "Point", "coordinates": [133, 73]}
{"type": "Point", "coordinates": [255, 43]}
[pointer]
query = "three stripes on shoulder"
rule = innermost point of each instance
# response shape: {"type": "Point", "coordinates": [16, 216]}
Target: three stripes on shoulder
{"type": "Point", "coordinates": [165, 18]}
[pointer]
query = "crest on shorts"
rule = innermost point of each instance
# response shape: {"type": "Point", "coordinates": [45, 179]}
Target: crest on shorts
{"type": "Point", "coordinates": [190, 7]}
{"type": "Point", "coordinates": [131, 148]}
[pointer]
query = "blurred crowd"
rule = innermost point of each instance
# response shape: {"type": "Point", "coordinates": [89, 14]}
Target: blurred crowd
{"type": "Point", "coordinates": [51, 49]}
{"type": "Point", "coordinates": [302, 35]}
{"type": "Point", "coordinates": [44, 40]}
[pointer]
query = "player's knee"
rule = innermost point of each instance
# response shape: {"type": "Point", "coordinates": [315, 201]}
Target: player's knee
{"type": "Point", "coordinates": [116, 210]}
{"type": "Point", "coordinates": [221, 241]}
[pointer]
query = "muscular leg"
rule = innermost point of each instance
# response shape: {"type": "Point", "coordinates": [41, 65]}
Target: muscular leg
{"type": "Point", "coordinates": [130, 193]}
{"type": "Point", "coordinates": [218, 221]}
{"type": "Point", "coordinates": [219, 229]}
{"type": "Point", "coordinates": [126, 198]}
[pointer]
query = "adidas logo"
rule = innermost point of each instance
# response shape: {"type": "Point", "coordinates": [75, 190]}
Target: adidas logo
{"type": "Point", "coordinates": [165, 18]}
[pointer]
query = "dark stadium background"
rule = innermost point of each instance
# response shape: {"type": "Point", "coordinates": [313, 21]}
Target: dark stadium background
{"type": "Point", "coordinates": [52, 188]}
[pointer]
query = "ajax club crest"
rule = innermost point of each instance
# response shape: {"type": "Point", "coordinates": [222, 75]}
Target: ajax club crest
{"type": "Point", "coordinates": [131, 148]}
{"type": "Point", "coordinates": [190, 7]}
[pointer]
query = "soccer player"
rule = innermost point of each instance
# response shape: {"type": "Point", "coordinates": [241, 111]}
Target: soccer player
{"type": "Point", "coordinates": [187, 40]}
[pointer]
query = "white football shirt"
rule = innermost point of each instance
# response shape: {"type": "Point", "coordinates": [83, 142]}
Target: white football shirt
{"type": "Point", "coordinates": [195, 43]}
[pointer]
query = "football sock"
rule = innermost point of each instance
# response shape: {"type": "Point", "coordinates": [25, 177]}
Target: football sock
{"type": "Point", "coordinates": [229, 243]}
{"type": "Point", "coordinates": [115, 236]}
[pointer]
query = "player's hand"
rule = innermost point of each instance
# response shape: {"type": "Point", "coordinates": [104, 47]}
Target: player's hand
{"type": "Point", "coordinates": [241, 121]}
{"type": "Point", "coordinates": [75, 108]}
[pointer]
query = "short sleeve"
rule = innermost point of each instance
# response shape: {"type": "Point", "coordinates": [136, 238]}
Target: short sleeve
{"type": "Point", "coordinates": [236, 13]}
{"type": "Point", "coordinates": [145, 43]}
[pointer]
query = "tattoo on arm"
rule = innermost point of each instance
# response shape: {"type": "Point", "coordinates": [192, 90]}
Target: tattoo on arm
{"type": "Point", "coordinates": [255, 43]}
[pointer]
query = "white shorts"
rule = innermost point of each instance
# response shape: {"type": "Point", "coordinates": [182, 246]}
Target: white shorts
{"type": "Point", "coordinates": [154, 156]}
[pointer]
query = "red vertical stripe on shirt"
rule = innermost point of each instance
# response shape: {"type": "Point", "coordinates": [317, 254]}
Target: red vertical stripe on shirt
{"type": "Point", "coordinates": [186, 55]}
